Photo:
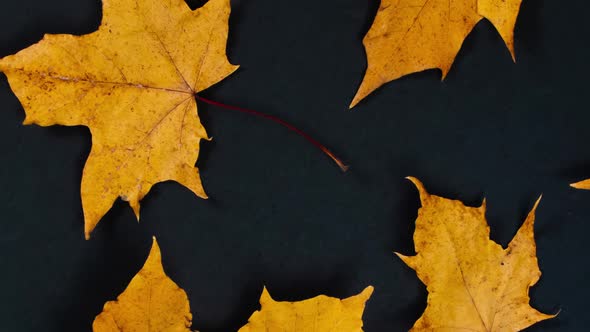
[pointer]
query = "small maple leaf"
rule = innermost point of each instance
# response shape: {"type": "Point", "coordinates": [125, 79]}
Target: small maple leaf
{"type": "Point", "coordinates": [319, 314]}
{"type": "Point", "coordinates": [409, 36]}
{"type": "Point", "coordinates": [151, 302]}
{"type": "Point", "coordinates": [582, 185]}
{"type": "Point", "coordinates": [473, 283]}
{"type": "Point", "coordinates": [132, 83]}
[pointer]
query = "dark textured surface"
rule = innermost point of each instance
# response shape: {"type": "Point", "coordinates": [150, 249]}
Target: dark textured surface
{"type": "Point", "coordinates": [280, 213]}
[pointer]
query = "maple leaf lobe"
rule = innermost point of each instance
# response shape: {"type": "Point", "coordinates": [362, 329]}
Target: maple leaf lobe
{"type": "Point", "coordinates": [132, 82]}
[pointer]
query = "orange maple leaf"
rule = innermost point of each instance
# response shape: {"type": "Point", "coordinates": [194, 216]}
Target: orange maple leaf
{"type": "Point", "coordinates": [132, 83]}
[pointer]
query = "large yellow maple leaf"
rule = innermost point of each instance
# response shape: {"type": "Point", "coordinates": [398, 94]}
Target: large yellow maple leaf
{"type": "Point", "coordinates": [409, 36]}
{"type": "Point", "coordinates": [473, 283]}
{"type": "Point", "coordinates": [132, 83]}
{"type": "Point", "coordinates": [151, 302]}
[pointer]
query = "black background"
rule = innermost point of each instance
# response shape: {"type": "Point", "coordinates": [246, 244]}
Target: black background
{"type": "Point", "coordinates": [281, 214]}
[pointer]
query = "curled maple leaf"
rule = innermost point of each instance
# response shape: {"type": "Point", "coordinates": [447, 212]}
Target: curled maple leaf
{"type": "Point", "coordinates": [409, 36]}
{"type": "Point", "coordinates": [473, 283]}
{"type": "Point", "coordinates": [132, 83]}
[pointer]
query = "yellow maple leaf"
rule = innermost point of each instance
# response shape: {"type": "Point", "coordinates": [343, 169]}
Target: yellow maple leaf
{"type": "Point", "coordinates": [409, 36]}
{"type": "Point", "coordinates": [132, 83]}
{"type": "Point", "coordinates": [151, 302]}
{"type": "Point", "coordinates": [473, 283]}
{"type": "Point", "coordinates": [582, 185]}
{"type": "Point", "coordinates": [319, 314]}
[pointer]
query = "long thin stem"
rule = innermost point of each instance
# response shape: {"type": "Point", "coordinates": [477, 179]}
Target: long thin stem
{"type": "Point", "coordinates": [317, 144]}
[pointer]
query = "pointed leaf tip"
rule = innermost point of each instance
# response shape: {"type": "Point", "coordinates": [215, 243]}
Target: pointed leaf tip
{"type": "Point", "coordinates": [581, 185]}
{"type": "Point", "coordinates": [421, 189]}
{"type": "Point", "coordinates": [537, 203]}
{"type": "Point", "coordinates": [484, 204]}
{"type": "Point", "coordinates": [155, 256]}
{"type": "Point", "coordinates": [408, 260]}
{"type": "Point", "coordinates": [530, 219]}
{"type": "Point", "coordinates": [265, 296]}
{"type": "Point", "coordinates": [87, 231]}
{"type": "Point", "coordinates": [155, 246]}
{"type": "Point", "coordinates": [364, 295]}
{"type": "Point", "coordinates": [360, 299]}
{"type": "Point", "coordinates": [367, 292]}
